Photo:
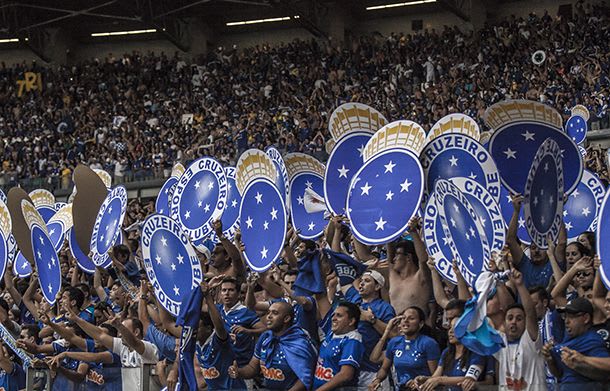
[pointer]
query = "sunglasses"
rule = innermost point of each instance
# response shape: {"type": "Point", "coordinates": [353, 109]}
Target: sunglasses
{"type": "Point", "coordinates": [583, 274]}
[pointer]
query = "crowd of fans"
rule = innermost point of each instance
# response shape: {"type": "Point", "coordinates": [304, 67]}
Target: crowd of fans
{"type": "Point", "coordinates": [392, 324]}
{"type": "Point", "coordinates": [125, 114]}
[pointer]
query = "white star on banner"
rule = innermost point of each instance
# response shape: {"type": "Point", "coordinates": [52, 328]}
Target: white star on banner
{"type": "Point", "coordinates": [405, 185]}
{"type": "Point", "coordinates": [343, 171]}
{"type": "Point", "coordinates": [264, 252]}
{"type": "Point", "coordinates": [389, 167]}
{"type": "Point", "coordinates": [273, 213]}
{"type": "Point", "coordinates": [365, 189]}
{"type": "Point", "coordinates": [163, 241]}
{"type": "Point", "coordinates": [453, 161]}
{"type": "Point", "coordinates": [389, 195]}
{"type": "Point", "coordinates": [259, 198]}
{"type": "Point", "coordinates": [528, 136]}
{"type": "Point", "coordinates": [311, 226]}
{"type": "Point", "coordinates": [180, 259]}
{"type": "Point", "coordinates": [380, 224]}
{"type": "Point", "coordinates": [249, 222]}
{"type": "Point", "coordinates": [510, 154]}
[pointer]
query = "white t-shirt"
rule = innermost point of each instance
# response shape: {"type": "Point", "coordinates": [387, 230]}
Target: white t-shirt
{"type": "Point", "coordinates": [521, 365]}
{"type": "Point", "coordinates": [132, 362]}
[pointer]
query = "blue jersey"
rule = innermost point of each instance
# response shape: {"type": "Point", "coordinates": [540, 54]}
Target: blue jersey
{"type": "Point", "coordinates": [535, 275]}
{"type": "Point", "coordinates": [336, 351]}
{"type": "Point", "coordinates": [382, 311]}
{"type": "Point", "coordinates": [13, 380]}
{"type": "Point", "coordinates": [61, 382]}
{"type": "Point", "coordinates": [87, 314]}
{"type": "Point", "coordinates": [475, 366]}
{"type": "Point", "coordinates": [243, 345]}
{"type": "Point", "coordinates": [215, 357]}
{"type": "Point", "coordinates": [278, 375]}
{"type": "Point", "coordinates": [410, 357]}
{"type": "Point", "coordinates": [165, 343]}
{"type": "Point", "coordinates": [25, 316]}
{"type": "Point", "coordinates": [588, 344]}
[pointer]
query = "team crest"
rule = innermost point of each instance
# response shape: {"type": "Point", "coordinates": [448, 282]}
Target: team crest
{"type": "Point", "coordinates": [230, 216]}
{"type": "Point", "coordinates": [436, 241]}
{"type": "Point", "coordinates": [463, 230]}
{"type": "Point", "coordinates": [5, 232]}
{"type": "Point", "coordinates": [455, 123]}
{"type": "Point", "coordinates": [281, 179]}
{"type": "Point", "coordinates": [82, 260]}
{"type": "Point", "coordinates": [200, 197]}
{"type": "Point", "coordinates": [108, 224]}
{"type": "Point", "coordinates": [602, 242]}
{"type": "Point", "coordinates": [543, 196]}
{"type": "Point", "coordinates": [44, 201]}
{"type": "Point", "coordinates": [170, 261]}
{"type": "Point", "coordinates": [582, 208]}
{"type": "Point", "coordinates": [58, 225]}
{"type": "Point", "coordinates": [454, 155]}
{"type": "Point", "coordinates": [576, 128]}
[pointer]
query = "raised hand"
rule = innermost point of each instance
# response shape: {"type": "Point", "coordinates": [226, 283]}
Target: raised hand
{"type": "Point", "coordinates": [517, 200]}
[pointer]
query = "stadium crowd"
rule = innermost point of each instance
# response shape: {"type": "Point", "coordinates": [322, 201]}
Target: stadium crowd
{"type": "Point", "coordinates": [390, 326]}
{"type": "Point", "coordinates": [125, 114]}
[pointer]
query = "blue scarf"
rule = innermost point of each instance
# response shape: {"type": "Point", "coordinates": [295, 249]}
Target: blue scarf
{"type": "Point", "coordinates": [301, 355]}
{"type": "Point", "coordinates": [190, 312]}
{"type": "Point", "coordinates": [346, 267]}
{"type": "Point", "coordinates": [309, 279]}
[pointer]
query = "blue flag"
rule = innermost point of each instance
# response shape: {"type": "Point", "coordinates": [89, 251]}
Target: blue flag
{"type": "Point", "coordinates": [346, 267]}
{"type": "Point", "coordinates": [301, 355]}
{"type": "Point", "coordinates": [190, 312]}
{"type": "Point", "coordinates": [309, 280]}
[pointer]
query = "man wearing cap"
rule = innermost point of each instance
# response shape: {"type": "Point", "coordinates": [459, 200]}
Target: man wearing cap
{"type": "Point", "coordinates": [375, 313]}
{"type": "Point", "coordinates": [581, 338]}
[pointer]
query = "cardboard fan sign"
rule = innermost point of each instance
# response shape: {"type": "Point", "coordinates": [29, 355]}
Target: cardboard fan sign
{"type": "Point", "coordinates": [108, 224]}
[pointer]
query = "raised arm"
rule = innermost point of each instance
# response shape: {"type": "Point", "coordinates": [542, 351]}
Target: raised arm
{"type": "Point", "coordinates": [376, 355]}
{"type": "Point", "coordinates": [551, 252]}
{"type": "Point", "coordinates": [97, 284]}
{"type": "Point", "coordinates": [531, 320]}
{"type": "Point", "coordinates": [231, 249]}
{"type": "Point", "coordinates": [511, 236]}
{"type": "Point", "coordinates": [93, 331]}
{"type": "Point", "coordinates": [559, 292]}
{"type": "Point", "coordinates": [10, 286]}
{"type": "Point", "coordinates": [420, 247]}
{"type": "Point", "coordinates": [127, 336]}
{"type": "Point", "coordinates": [143, 306]}
{"type": "Point", "coordinates": [437, 285]}
{"type": "Point", "coordinates": [562, 243]}
{"type": "Point", "coordinates": [219, 326]}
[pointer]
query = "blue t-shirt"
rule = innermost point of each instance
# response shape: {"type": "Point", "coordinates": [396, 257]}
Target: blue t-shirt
{"type": "Point", "coordinates": [278, 375]}
{"type": "Point", "coordinates": [382, 311]}
{"type": "Point", "coordinates": [459, 370]}
{"type": "Point", "coordinates": [336, 351]}
{"type": "Point", "coordinates": [239, 315]}
{"type": "Point", "coordinates": [13, 381]}
{"type": "Point", "coordinates": [588, 344]}
{"type": "Point", "coordinates": [410, 357]}
{"type": "Point", "coordinates": [26, 316]}
{"type": "Point", "coordinates": [535, 275]}
{"type": "Point", "coordinates": [116, 359]}
{"type": "Point", "coordinates": [61, 382]}
{"type": "Point", "coordinates": [215, 357]}
{"type": "Point", "coordinates": [165, 343]}
{"type": "Point", "coordinates": [87, 314]}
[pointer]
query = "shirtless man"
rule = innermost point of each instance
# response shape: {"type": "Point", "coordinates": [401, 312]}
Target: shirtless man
{"type": "Point", "coordinates": [410, 280]}
{"type": "Point", "coordinates": [226, 259]}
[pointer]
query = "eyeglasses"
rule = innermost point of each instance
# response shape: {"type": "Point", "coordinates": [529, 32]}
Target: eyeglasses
{"type": "Point", "coordinates": [583, 274]}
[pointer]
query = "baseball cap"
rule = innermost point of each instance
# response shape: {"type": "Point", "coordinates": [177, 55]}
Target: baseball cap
{"type": "Point", "coordinates": [375, 275]}
{"type": "Point", "coordinates": [577, 306]}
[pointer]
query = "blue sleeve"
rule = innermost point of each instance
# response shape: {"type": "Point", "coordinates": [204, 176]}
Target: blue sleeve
{"type": "Point", "coordinates": [490, 366]}
{"type": "Point", "coordinates": [57, 347]}
{"type": "Point", "coordinates": [351, 353]}
{"type": "Point", "coordinates": [116, 359]}
{"type": "Point", "coordinates": [440, 361]}
{"type": "Point", "coordinates": [257, 348]}
{"type": "Point", "coordinates": [162, 341]}
{"type": "Point", "coordinates": [90, 345]}
{"type": "Point", "coordinates": [432, 350]}
{"type": "Point", "coordinates": [353, 296]}
{"type": "Point", "coordinates": [598, 351]}
{"type": "Point", "coordinates": [476, 359]}
{"type": "Point", "coordinates": [132, 269]}
{"type": "Point", "coordinates": [387, 313]}
{"type": "Point", "coordinates": [391, 349]}
{"type": "Point", "coordinates": [251, 318]}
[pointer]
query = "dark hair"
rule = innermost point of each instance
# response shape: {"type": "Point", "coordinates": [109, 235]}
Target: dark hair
{"type": "Point", "coordinates": [121, 250]}
{"type": "Point", "coordinates": [456, 304]}
{"type": "Point", "coordinates": [4, 304]}
{"type": "Point", "coordinates": [33, 331]}
{"type": "Point", "coordinates": [425, 330]}
{"type": "Point", "coordinates": [110, 329]}
{"type": "Point", "coordinates": [86, 289]}
{"type": "Point", "coordinates": [353, 311]}
{"type": "Point", "coordinates": [408, 248]}
{"type": "Point", "coordinates": [291, 272]}
{"type": "Point", "coordinates": [514, 305]}
{"type": "Point", "coordinates": [448, 359]}
{"type": "Point", "coordinates": [543, 294]}
{"type": "Point", "coordinates": [137, 325]}
{"type": "Point", "coordinates": [232, 280]}
{"type": "Point", "coordinates": [584, 252]}
{"type": "Point", "coordinates": [309, 245]}
{"type": "Point", "coordinates": [592, 239]}
{"type": "Point", "coordinates": [76, 295]}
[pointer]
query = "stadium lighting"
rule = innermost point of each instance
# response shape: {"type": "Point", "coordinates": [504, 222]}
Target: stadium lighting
{"type": "Point", "coordinates": [9, 40]}
{"type": "Point", "coordinates": [132, 32]}
{"type": "Point", "coordinates": [255, 21]}
{"type": "Point", "coordinates": [394, 5]}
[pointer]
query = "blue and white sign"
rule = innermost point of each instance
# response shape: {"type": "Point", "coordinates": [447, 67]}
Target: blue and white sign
{"type": "Point", "coordinates": [108, 224]}
{"type": "Point", "coordinates": [47, 264]}
{"type": "Point", "coordinates": [344, 161]}
{"type": "Point", "coordinates": [82, 260]}
{"type": "Point", "coordinates": [3, 196]}
{"type": "Point", "coordinates": [263, 223]}
{"type": "Point", "coordinates": [543, 196]}
{"type": "Point", "coordinates": [3, 253]}
{"type": "Point", "coordinates": [11, 245]}
{"type": "Point", "coordinates": [487, 210]}
{"type": "Point", "coordinates": [576, 128]}
{"type": "Point", "coordinates": [436, 241]}
{"type": "Point", "coordinates": [170, 261]}
{"type": "Point", "coordinates": [281, 179]}
{"type": "Point", "coordinates": [602, 242]}
{"type": "Point", "coordinates": [463, 229]}
{"type": "Point", "coordinates": [457, 155]}
{"type": "Point", "coordinates": [385, 193]}
{"type": "Point", "coordinates": [200, 197]}
{"type": "Point", "coordinates": [46, 212]}
{"type": "Point", "coordinates": [506, 204]}
{"type": "Point", "coordinates": [230, 216]}
{"type": "Point", "coordinates": [56, 233]}
{"type": "Point", "coordinates": [21, 266]}
{"type": "Point", "coordinates": [309, 225]}
{"type": "Point", "coordinates": [162, 204]}
{"type": "Point", "coordinates": [583, 205]}
{"type": "Point", "coordinates": [515, 146]}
